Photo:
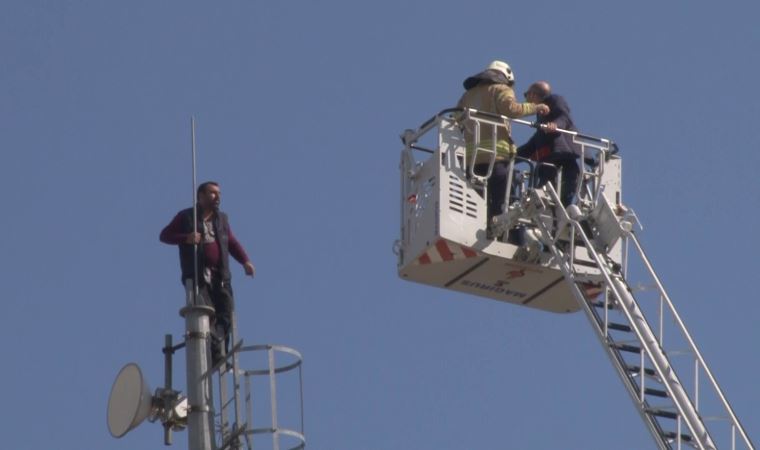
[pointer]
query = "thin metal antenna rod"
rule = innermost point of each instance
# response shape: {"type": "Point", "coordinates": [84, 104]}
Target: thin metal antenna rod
{"type": "Point", "coordinates": [200, 417]}
{"type": "Point", "coordinates": [195, 217]}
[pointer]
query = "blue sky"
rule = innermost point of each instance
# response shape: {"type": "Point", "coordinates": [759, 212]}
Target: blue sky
{"type": "Point", "coordinates": [299, 106]}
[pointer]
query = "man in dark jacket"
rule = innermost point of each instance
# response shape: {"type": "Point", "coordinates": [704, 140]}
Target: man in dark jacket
{"type": "Point", "coordinates": [214, 243]}
{"type": "Point", "coordinates": [548, 146]}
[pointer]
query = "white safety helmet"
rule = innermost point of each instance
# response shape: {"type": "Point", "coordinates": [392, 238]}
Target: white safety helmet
{"type": "Point", "coordinates": [504, 68]}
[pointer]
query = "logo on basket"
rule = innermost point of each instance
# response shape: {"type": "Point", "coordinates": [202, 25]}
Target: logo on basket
{"type": "Point", "coordinates": [509, 276]}
{"type": "Point", "coordinates": [496, 288]}
{"type": "Point", "coordinates": [512, 274]}
{"type": "Point", "coordinates": [420, 199]}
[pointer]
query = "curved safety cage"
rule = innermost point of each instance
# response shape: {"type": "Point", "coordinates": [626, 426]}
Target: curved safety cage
{"type": "Point", "coordinates": [274, 368]}
{"type": "Point", "coordinates": [259, 380]}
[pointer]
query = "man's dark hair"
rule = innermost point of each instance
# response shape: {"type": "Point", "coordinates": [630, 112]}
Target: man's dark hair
{"type": "Point", "coordinates": [203, 186]}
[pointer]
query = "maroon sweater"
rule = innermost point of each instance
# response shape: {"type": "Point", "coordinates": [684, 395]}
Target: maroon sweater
{"type": "Point", "coordinates": [173, 234]}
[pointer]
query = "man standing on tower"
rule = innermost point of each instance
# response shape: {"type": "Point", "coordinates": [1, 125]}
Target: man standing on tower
{"type": "Point", "coordinates": [214, 243]}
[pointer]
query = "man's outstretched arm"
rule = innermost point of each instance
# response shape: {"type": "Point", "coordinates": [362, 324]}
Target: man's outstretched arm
{"type": "Point", "coordinates": [238, 252]}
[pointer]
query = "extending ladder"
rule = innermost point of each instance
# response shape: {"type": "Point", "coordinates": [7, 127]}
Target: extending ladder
{"type": "Point", "coordinates": [680, 411]}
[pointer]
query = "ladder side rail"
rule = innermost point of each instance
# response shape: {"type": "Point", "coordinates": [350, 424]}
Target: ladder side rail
{"type": "Point", "coordinates": [644, 334]}
{"type": "Point", "coordinates": [224, 423]}
{"type": "Point", "coordinates": [603, 337]}
{"type": "Point", "coordinates": [227, 428]}
{"type": "Point", "coordinates": [239, 423]}
{"type": "Point", "coordinates": [248, 410]}
{"type": "Point", "coordinates": [625, 257]}
{"type": "Point", "coordinates": [692, 344]}
{"type": "Point", "coordinates": [300, 391]}
{"type": "Point", "coordinates": [273, 398]}
{"type": "Point", "coordinates": [661, 324]}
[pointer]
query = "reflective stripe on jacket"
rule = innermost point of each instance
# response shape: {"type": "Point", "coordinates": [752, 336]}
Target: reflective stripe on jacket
{"type": "Point", "coordinates": [496, 98]}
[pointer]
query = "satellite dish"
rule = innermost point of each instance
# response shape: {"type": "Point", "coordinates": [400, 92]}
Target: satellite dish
{"type": "Point", "coordinates": [130, 401]}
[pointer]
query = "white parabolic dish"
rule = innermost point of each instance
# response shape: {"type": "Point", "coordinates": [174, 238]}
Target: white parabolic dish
{"type": "Point", "coordinates": [129, 402]}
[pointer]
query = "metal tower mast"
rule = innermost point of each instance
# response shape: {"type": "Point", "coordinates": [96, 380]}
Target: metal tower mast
{"type": "Point", "coordinates": [227, 423]}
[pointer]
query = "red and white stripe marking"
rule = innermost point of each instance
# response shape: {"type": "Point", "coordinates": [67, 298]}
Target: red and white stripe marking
{"type": "Point", "coordinates": [446, 251]}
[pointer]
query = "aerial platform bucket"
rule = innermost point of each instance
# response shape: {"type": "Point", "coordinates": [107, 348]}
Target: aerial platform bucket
{"type": "Point", "coordinates": [443, 229]}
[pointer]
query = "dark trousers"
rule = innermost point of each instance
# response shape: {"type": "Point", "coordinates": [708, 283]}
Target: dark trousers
{"type": "Point", "coordinates": [497, 186]}
{"type": "Point", "coordinates": [219, 296]}
{"type": "Point", "coordinates": [570, 173]}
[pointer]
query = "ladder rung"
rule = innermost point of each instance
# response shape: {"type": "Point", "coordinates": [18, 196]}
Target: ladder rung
{"type": "Point", "coordinates": [600, 304]}
{"type": "Point", "coordinates": [589, 278]}
{"type": "Point", "coordinates": [636, 370]}
{"type": "Point", "coordinates": [672, 435]}
{"type": "Point", "coordinates": [619, 327]}
{"type": "Point", "coordinates": [627, 348]}
{"type": "Point", "coordinates": [656, 392]}
{"type": "Point", "coordinates": [663, 413]}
